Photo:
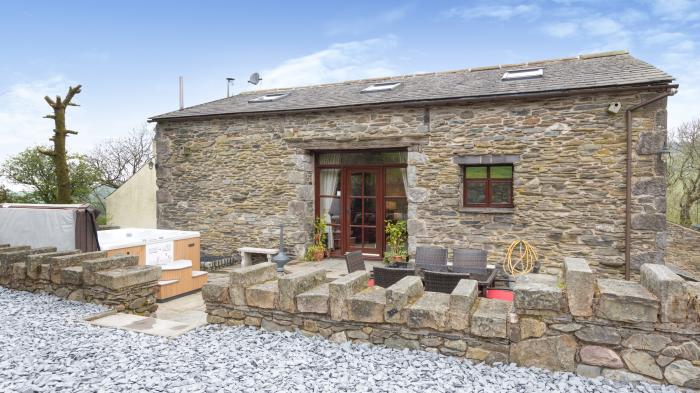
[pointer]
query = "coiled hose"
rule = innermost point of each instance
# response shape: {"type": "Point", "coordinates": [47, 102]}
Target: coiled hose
{"type": "Point", "coordinates": [524, 261]}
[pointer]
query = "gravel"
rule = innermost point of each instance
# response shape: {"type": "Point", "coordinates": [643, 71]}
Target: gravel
{"type": "Point", "coordinates": [46, 347]}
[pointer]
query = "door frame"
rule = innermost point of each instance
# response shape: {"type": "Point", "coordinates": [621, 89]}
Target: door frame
{"type": "Point", "coordinates": [380, 205]}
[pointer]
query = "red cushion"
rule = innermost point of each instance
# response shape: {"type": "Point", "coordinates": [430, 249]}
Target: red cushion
{"type": "Point", "coordinates": [370, 283]}
{"type": "Point", "coordinates": [500, 294]}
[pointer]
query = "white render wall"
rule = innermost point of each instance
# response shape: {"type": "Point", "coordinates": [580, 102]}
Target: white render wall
{"type": "Point", "coordinates": [133, 205]}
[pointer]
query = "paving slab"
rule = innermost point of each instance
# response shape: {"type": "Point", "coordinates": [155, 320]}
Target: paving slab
{"type": "Point", "coordinates": [147, 325]}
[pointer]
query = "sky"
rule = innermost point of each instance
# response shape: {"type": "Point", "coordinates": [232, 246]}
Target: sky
{"type": "Point", "coordinates": [128, 55]}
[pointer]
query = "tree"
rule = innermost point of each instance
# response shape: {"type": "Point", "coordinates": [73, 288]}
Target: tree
{"type": "Point", "coordinates": [35, 170]}
{"type": "Point", "coordinates": [5, 194]}
{"type": "Point", "coordinates": [684, 167]}
{"type": "Point", "coordinates": [58, 154]}
{"type": "Point", "coordinates": [118, 159]}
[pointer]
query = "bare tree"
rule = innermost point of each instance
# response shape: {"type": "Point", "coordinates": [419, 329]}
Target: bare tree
{"type": "Point", "coordinates": [118, 159]}
{"type": "Point", "coordinates": [684, 167]}
{"type": "Point", "coordinates": [58, 154]}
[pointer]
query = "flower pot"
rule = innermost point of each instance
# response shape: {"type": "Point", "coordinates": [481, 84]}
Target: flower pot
{"type": "Point", "coordinates": [402, 265]}
{"type": "Point", "coordinates": [318, 255]}
{"type": "Point", "coordinates": [398, 258]}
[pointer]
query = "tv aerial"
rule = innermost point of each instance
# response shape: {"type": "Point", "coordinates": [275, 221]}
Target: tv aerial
{"type": "Point", "coordinates": [254, 78]}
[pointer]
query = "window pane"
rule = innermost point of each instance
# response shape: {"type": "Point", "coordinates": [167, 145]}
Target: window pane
{"type": "Point", "coordinates": [355, 238]}
{"type": "Point", "coordinates": [502, 172]}
{"type": "Point", "coordinates": [356, 211]}
{"type": "Point", "coordinates": [370, 238]}
{"type": "Point", "coordinates": [370, 183]}
{"type": "Point", "coordinates": [370, 211]}
{"type": "Point", "coordinates": [500, 193]}
{"type": "Point", "coordinates": [356, 184]}
{"type": "Point", "coordinates": [395, 209]}
{"type": "Point", "coordinates": [363, 158]}
{"type": "Point", "coordinates": [476, 192]}
{"type": "Point", "coordinates": [476, 172]}
{"type": "Point", "coordinates": [394, 182]}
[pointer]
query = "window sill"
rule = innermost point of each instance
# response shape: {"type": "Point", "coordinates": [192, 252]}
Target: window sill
{"type": "Point", "coordinates": [488, 210]}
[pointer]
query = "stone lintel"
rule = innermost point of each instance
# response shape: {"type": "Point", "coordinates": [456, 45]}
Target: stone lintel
{"type": "Point", "coordinates": [669, 288]}
{"type": "Point", "coordinates": [124, 277]}
{"type": "Point", "coordinates": [367, 306]}
{"type": "Point", "coordinates": [344, 287]}
{"type": "Point", "coordinates": [314, 300]}
{"type": "Point", "coordinates": [486, 159]}
{"type": "Point", "coordinates": [580, 286]}
{"type": "Point", "coordinates": [430, 311]}
{"type": "Point", "coordinates": [293, 284]}
{"type": "Point", "coordinates": [399, 295]}
{"type": "Point", "coordinates": [539, 292]}
{"type": "Point", "coordinates": [626, 301]}
{"type": "Point", "coordinates": [461, 301]}
{"type": "Point", "coordinates": [243, 277]}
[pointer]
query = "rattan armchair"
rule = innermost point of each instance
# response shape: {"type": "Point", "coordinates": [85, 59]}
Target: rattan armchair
{"type": "Point", "coordinates": [354, 261]}
{"type": "Point", "coordinates": [431, 258]}
{"type": "Point", "coordinates": [385, 277]}
{"type": "Point", "coordinates": [469, 258]}
{"type": "Point", "coordinates": [485, 277]}
{"type": "Point", "coordinates": [442, 282]}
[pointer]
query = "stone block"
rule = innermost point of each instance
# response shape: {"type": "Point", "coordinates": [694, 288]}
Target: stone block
{"type": "Point", "coordinates": [599, 335]}
{"type": "Point", "coordinates": [42, 250]}
{"type": "Point", "coordinates": [367, 306]}
{"type": "Point", "coordinates": [293, 284]}
{"type": "Point", "coordinates": [490, 319]}
{"type": "Point", "coordinates": [342, 289]}
{"type": "Point", "coordinates": [19, 271]}
{"type": "Point", "coordinates": [72, 275]}
{"type": "Point", "coordinates": [600, 356]}
{"type": "Point", "coordinates": [641, 363]}
{"type": "Point", "coordinates": [556, 353]}
{"type": "Point", "coordinates": [530, 328]}
{"type": "Point", "coordinates": [693, 289]}
{"type": "Point", "coordinates": [626, 376]}
{"type": "Point", "coordinates": [461, 301]}
{"type": "Point", "coordinates": [216, 291]}
{"type": "Point", "coordinates": [265, 295]}
{"type": "Point", "coordinates": [35, 261]}
{"type": "Point", "coordinates": [683, 373]}
{"type": "Point", "coordinates": [689, 350]}
{"type": "Point", "coordinates": [647, 342]}
{"type": "Point", "coordinates": [243, 277]}
{"type": "Point", "coordinates": [429, 311]}
{"type": "Point", "coordinates": [401, 343]}
{"type": "Point", "coordinates": [125, 277]}
{"type": "Point", "coordinates": [314, 300]}
{"type": "Point", "coordinates": [626, 301]}
{"type": "Point", "coordinates": [57, 263]}
{"type": "Point", "coordinates": [8, 258]}
{"type": "Point", "coordinates": [92, 266]}
{"type": "Point", "coordinates": [401, 294]}
{"type": "Point", "coordinates": [539, 292]}
{"type": "Point", "coordinates": [669, 288]}
{"type": "Point", "coordinates": [588, 371]}
{"type": "Point", "coordinates": [580, 286]}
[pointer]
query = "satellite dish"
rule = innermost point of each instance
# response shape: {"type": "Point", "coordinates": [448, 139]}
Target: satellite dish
{"type": "Point", "coordinates": [254, 78]}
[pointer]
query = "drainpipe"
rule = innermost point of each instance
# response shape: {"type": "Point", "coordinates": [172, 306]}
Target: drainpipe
{"type": "Point", "coordinates": [628, 197]}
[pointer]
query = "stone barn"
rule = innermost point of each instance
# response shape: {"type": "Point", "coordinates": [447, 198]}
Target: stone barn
{"type": "Point", "coordinates": [472, 158]}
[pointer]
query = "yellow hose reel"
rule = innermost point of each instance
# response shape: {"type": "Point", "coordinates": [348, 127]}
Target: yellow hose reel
{"type": "Point", "coordinates": [524, 260]}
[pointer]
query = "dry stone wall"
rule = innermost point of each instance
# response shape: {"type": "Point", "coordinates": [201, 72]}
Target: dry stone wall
{"type": "Point", "coordinates": [683, 250]}
{"type": "Point", "coordinates": [236, 178]}
{"type": "Point", "coordinates": [575, 322]}
{"type": "Point", "coordinates": [92, 277]}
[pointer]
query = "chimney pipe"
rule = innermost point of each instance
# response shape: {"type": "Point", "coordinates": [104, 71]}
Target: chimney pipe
{"type": "Point", "coordinates": [182, 95]}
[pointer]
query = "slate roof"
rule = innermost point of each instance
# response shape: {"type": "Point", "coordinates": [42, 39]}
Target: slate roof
{"type": "Point", "coordinates": [582, 72]}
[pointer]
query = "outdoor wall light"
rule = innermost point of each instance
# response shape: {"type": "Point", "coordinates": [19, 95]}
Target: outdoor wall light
{"type": "Point", "coordinates": [150, 164]}
{"type": "Point", "coordinates": [664, 153]}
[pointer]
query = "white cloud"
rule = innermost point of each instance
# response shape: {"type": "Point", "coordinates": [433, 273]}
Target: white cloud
{"type": "Point", "coordinates": [677, 10]}
{"type": "Point", "coordinates": [560, 30]}
{"type": "Point", "coordinates": [370, 22]}
{"type": "Point", "coordinates": [662, 37]}
{"type": "Point", "coordinates": [501, 12]}
{"type": "Point", "coordinates": [601, 26]}
{"type": "Point", "coordinates": [341, 61]}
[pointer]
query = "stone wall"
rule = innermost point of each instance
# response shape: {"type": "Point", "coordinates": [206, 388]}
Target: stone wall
{"type": "Point", "coordinates": [622, 330]}
{"type": "Point", "coordinates": [92, 277]}
{"type": "Point", "coordinates": [683, 249]}
{"type": "Point", "coordinates": [236, 178]}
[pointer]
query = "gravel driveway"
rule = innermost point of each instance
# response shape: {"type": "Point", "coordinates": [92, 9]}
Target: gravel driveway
{"type": "Point", "coordinates": [44, 346]}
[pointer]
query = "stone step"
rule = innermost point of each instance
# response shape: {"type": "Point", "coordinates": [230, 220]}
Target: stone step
{"type": "Point", "coordinates": [59, 262]}
{"type": "Point", "coordinates": [669, 288]}
{"type": "Point", "coordinates": [244, 277]}
{"type": "Point", "coordinates": [429, 311]}
{"type": "Point", "coordinates": [539, 293]}
{"type": "Point", "coordinates": [626, 301]}
{"type": "Point", "coordinates": [4, 245]}
{"type": "Point", "coordinates": [92, 266]}
{"type": "Point", "coordinates": [19, 271]}
{"type": "Point", "coordinates": [401, 294]}
{"type": "Point", "coordinates": [491, 318]}
{"type": "Point", "coordinates": [72, 275]}
{"type": "Point", "coordinates": [314, 300]}
{"type": "Point", "coordinates": [367, 305]}
{"type": "Point", "coordinates": [124, 277]}
{"type": "Point", "coordinates": [265, 295]}
{"type": "Point", "coordinates": [344, 287]}
{"type": "Point", "coordinates": [293, 284]}
{"type": "Point", "coordinates": [216, 290]}
{"type": "Point", "coordinates": [9, 258]}
{"type": "Point", "coordinates": [35, 261]}
{"type": "Point", "coordinates": [42, 250]}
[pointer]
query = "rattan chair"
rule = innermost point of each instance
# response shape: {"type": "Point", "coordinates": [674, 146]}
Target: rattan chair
{"type": "Point", "coordinates": [442, 282]}
{"type": "Point", "coordinates": [485, 277]}
{"type": "Point", "coordinates": [385, 277]}
{"type": "Point", "coordinates": [469, 258]}
{"type": "Point", "coordinates": [354, 261]}
{"type": "Point", "coordinates": [431, 258]}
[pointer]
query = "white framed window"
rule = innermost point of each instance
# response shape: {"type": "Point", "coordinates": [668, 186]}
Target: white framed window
{"type": "Point", "coordinates": [523, 74]}
{"type": "Point", "coordinates": [381, 87]}
{"type": "Point", "coordinates": [269, 97]}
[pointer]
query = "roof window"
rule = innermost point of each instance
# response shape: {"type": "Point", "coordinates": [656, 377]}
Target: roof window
{"type": "Point", "coordinates": [269, 97]}
{"type": "Point", "coordinates": [381, 87]}
{"type": "Point", "coordinates": [523, 74]}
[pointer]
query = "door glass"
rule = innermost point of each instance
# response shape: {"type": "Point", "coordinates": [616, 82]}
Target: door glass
{"type": "Point", "coordinates": [356, 211]}
{"type": "Point", "coordinates": [370, 184]}
{"type": "Point", "coordinates": [370, 240]}
{"type": "Point", "coordinates": [356, 184]}
{"type": "Point", "coordinates": [370, 211]}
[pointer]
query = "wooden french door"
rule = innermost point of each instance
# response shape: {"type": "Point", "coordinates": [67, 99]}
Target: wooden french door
{"type": "Point", "coordinates": [363, 204]}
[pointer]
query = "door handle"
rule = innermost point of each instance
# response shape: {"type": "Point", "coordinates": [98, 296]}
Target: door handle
{"type": "Point", "coordinates": [190, 245]}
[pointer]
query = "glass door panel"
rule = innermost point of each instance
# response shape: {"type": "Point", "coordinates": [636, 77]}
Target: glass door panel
{"type": "Point", "coordinates": [330, 204]}
{"type": "Point", "coordinates": [362, 208]}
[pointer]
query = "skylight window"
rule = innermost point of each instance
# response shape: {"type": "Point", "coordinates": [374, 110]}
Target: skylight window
{"type": "Point", "coordinates": [269, 97]}
{"type": "Point", "coordinates": [381, 87]}
{"type": "Point", "coordinates": [523, 74]}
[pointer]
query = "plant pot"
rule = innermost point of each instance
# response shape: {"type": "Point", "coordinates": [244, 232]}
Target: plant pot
{"type": "Point", "coordinates": [398, 258]}
{"type": "Point", "coordinates": [318, 255]}
{"type": "Point", "coordinates": [402, 265]}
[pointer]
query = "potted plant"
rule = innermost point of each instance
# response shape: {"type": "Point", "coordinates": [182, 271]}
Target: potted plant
{"type": "Point", "coordinates": [396, 237]}
{"type": "Point", "coordinates": [317, 250]}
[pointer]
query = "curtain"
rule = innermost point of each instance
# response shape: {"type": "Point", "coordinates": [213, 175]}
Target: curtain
{"type": "Point", "coordinates": [404, 173]}
{"type": "Point", "coordinates": [329, 181]}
